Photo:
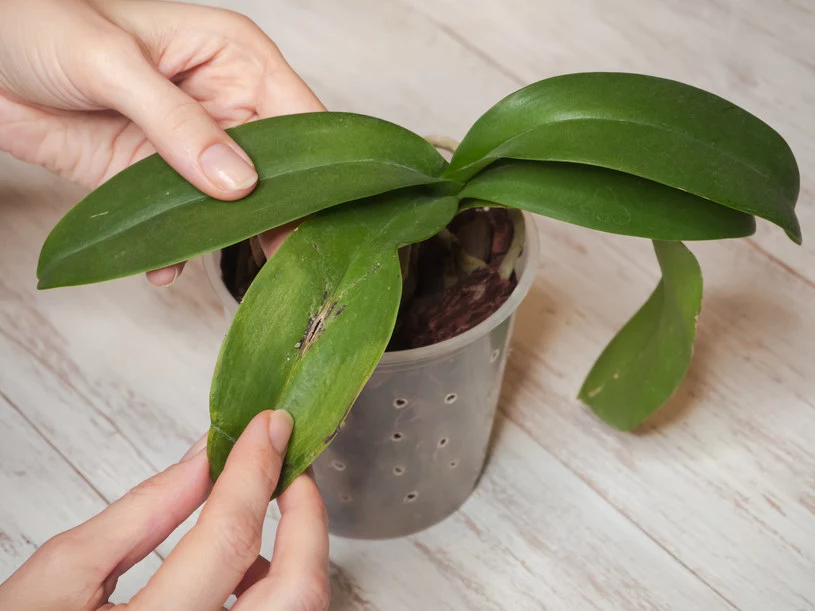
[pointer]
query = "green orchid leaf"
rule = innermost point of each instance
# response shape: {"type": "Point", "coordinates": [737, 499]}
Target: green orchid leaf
{"type": "Point", "coordinates": [646, 361]}
{"type": "Point", "coordinates": [606, 200]}
{"type": "Point", "coordinates": [148, 216]}
{"type": "Point", "coordinates": [654, 128]}
{"type": "Point", "coordinates": [316, 320]}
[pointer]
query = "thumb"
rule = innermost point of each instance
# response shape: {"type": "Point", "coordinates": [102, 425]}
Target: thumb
{"type": "Point", "coordinates": [181, 131]}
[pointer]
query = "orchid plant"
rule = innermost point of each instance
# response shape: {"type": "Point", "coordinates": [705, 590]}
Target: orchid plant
{"type": "Point", "coordinates": [621, 153]}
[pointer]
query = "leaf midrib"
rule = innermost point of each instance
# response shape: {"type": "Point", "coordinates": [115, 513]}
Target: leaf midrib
{"type": "Point", "coordinates": [494, 153]}
{"type": "Point", "coordinates": [332, 296]}
{"type": "Point", "coordinates": [202, 196]}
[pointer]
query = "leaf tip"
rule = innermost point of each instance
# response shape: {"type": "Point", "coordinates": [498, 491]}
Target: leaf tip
{"type": "Point", "coordinates": [795, 236]}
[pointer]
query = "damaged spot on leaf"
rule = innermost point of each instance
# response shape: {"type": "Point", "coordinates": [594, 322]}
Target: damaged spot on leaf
{"type": "Point", "coordinates": [316, 324]}
{"type": "Point", "coordinates": [313, 330]}
{"type": "Point", "coordinates": [333, 434]}
{"type": "Point", "coordinates": [339, 427]}
{"type": "Point", "coordinates": [595, 392]}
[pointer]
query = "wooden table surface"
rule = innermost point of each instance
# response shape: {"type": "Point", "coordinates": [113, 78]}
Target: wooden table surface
{"type": "Point", "coordinates": [710, 505]}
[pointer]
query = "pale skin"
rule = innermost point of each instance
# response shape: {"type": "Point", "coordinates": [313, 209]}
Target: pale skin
{"type": "Point", "coordinates": [88, 87]}
{"type": "Point", "coordinates": [78, 569]}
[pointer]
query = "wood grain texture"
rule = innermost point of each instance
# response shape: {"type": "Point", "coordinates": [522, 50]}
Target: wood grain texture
{"type": "Point", "coordinates": [710, 505]}
{"type": "Point", "coordinates": [43, 494]}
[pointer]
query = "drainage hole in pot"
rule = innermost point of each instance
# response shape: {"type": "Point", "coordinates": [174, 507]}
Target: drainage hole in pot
{"type": "Point", "coordinates": [494, 356]}
{"type": "Point", "coordinates": [345, 498]}
{"type": "Point", "coordinates": [400, 403]}
{"type": "Point", "coordinates": [453, 464]}
{"type": "Point", "coordinates": [338, 465]}
{"type": "Point", "coordinates": [410, 497]}
{"type": "Point", "coordinates": [443, 442]}
{"type": "Point", "coordinates": [396, 436]}
{"type": "Point", "coordinates": [451, 398]}
{"type": "Point", "coordinates": [398, 470]}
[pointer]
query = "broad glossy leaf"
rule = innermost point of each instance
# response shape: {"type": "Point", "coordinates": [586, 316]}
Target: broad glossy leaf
{"type": "Point", "coordinates": [645, 362]}
{"type": "Point", "coordinates": [148, 216]}
{"type": "Point", "coordinates": [606, 200]}
{"type": "Point", "coordinates": [655, 128]}
{"type": "Point", "coordinates": [315, 322]}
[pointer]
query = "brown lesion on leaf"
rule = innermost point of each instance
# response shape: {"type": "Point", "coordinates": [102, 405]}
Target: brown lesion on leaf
{"type": "Point", "coordinates": [330, 437]}
{"type": "Point", "coordinates": [330, 308]}
{"type": "Point", "coordinates": [314, 329]}
{"type": "Point", "coordinates": [336, 430]}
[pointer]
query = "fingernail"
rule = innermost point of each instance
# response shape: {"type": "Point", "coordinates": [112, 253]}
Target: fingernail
{"type": "Point", "coordinates": [195, 449]}
{"type": "Point", "coordinates": [280, 426]}
{"type": "Point", "coordinates": [164, 277]}
{"type": "Point", "coordinates": [224, 167]}
{"type": "Point", "coordinates": [174, 278]}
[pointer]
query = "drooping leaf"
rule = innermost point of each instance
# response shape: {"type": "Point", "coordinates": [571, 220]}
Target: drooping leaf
{"type": "Point", "coordinates": [148, 216]}
{"type": "Point", "coordinates": [316, 320]}
{"type": "Point", "coordinates": [654, 128]}
{"type": "Point", "coordinates": [607, 200]}
{"type": "Point", "coordinates": [645, 362]}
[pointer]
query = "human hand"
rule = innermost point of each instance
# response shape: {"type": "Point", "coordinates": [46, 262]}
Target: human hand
{"type": "Point", "coordinates": [87, 87]}
{"type": "Point", "coordinates": [78, 569]}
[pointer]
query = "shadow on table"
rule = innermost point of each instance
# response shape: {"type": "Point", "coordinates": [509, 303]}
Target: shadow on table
{"type": "Point", "coordinates": [732, 325]}
{"type": "Point", "coordinates": [532, 324]}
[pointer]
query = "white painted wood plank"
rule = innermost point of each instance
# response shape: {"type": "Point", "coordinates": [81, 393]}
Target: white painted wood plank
{"type": "Point", "coordinates": [383, 59]}
{"type": "Point", "coordinates": [724, 477]}
{"type": "Point", "coordinates": [531, 537]}
{"type": "Point", "coordinates": [43, 495]}
{"type": "Point", "coordinates": [120, 343]}
{"type": "Point", "coordinates": [58, 368]}
{"type": "Point", "coordinates": [48, 337]}
{"type": "Point", "coordinates": [541, 39]}
{"type": "Point", "coordinates": [758, 54]}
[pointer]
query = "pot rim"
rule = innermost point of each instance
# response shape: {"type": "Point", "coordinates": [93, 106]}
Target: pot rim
{"type": "Point", "coordinates": [527, 264]}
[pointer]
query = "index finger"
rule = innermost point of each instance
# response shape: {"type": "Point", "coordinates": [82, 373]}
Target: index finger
{"type": "Point", "coordinates": [211, 559]}
{"type": "Point", "coordinates": [298, 575]}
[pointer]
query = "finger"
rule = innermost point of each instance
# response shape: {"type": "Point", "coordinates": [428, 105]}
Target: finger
{"type": "Point", "coordinates": [79, 568]}
{"type": "Point", "coordinates": [301, 546]}
{"type": "Point", "coordinates": [271, 240]}
{"type": "Point", "coordinates": [210, 561]}
{"type": "Point", "coordinates": [282, 91]}
{"type": "Point", "coordinates": [151, 511]}
{"type": "Point", "coordinates": [181, 130]}
{"type": "Point", "coordinates": [298, 574]}
{"type": "Point", "coordinates": [166, 275]}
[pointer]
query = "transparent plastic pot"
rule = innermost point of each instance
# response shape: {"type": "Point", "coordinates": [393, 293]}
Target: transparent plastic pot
{"type": "Point", "coordinates": [413, 446]}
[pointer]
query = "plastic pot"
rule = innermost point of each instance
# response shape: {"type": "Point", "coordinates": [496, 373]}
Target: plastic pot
{"type": "Point", "coordinates": [414, 444]}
